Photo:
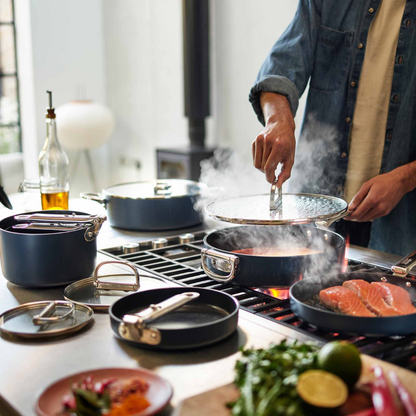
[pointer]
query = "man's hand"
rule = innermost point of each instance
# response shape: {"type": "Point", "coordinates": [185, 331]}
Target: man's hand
{"type": "Point", "coordinates": [380, 195]}
{"type": "Point", "coordinates": [276, 142]}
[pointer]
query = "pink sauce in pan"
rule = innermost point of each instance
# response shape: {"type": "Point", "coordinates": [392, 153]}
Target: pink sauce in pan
{"type": "Point", "coordinates": [278, 252]}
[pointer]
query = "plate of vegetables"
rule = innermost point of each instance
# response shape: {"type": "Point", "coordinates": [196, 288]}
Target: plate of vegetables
{"type": "Point", "coordinates": [107, 391]}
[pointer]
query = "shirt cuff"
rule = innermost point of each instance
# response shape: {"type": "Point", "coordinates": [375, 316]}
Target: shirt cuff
{"type": "Point", "coordinates": [279, 85]}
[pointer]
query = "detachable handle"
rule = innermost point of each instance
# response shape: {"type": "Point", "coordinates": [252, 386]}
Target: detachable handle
{"type": "Point", "coordinates": [226, 263]}
{"type": "Point", "coordinates": [133, 327]}
{"type": "Point", "coordinates": [49, 226]}
{"type": "Point", "coordinates": [158, 310]}
{"type": "Point", "coordinates": [93, 196]}
{"type": "Point", "coordinates": [162, 188]}
{"type": "Point", "coordinates": [275, 203]}
{"type": "Point", "coordinates": [47, 317]}
{"type": "Point", "coordinates": [125, 287]}
{"type": "Point", "coordinates": [405, 265]}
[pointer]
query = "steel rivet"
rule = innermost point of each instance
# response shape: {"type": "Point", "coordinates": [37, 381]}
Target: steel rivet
{"type": "Point", "coordinates": [153, 335]}
{"type": "Point", "coordinates": [123, 330]}
{"type": "Point", "coordinates": [408, 284]}
{"type": "Point", "coordinates": [90, 234]}
{"type": "Point", "coordinates": [384, 279]}
{"type": "Point", "coordinates": [309, 232]}
{"type": "Point", "coordinates": [325, 237]}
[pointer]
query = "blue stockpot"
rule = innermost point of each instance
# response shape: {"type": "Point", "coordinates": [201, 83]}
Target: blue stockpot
{"type": "Point", "coordinates": [220, 263]}
{"type": "Point", "coordinates": [45, 259]}
{"type": "Point", "coordinates": [130, 206]}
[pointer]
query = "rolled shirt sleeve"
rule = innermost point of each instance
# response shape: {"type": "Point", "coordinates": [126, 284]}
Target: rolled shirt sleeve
{"type": "Point", "coordinates": [288, 66]}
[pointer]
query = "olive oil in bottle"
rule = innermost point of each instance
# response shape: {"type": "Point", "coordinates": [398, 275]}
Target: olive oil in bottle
{"type": "Point", "coordinates": [53, 166]}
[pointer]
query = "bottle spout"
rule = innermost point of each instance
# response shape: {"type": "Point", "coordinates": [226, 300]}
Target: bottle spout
{"type": "Point", "coordinates": [50, 111]}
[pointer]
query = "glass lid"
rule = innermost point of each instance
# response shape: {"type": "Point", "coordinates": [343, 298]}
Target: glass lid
{"type": "Point", "coordinates": [101, 291]}
{"type": "Point", "coordinates": [286, 209]}
{"type": "Point", "coordinates": [45, 319]}
{"type": "Point", "coordinates": [158, 189]}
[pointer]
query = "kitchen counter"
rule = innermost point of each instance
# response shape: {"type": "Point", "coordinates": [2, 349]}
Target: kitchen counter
{"type": "Point", "coordinates": [28, 367]}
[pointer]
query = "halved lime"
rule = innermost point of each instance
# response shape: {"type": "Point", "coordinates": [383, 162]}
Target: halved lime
{"type": "Point", "coordinates": [322, 389]}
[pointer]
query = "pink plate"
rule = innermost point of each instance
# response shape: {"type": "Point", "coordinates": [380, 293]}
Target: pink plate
{"type": "Point", "coordinates": [159, 393]}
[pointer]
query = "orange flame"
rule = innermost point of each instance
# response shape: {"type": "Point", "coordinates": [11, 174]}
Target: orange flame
{"type": "Point", "coordinates": [345, 261]}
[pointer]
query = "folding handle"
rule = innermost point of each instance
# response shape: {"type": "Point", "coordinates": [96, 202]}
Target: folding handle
{"type": "Point", "coordinates": [216, 258]}
{"type": "Point", "coordinates": [56, 218]}
{"type": "Point", "coordinates": [125, 287]}
{"type": "Point", "coordinates": [405, 265]}
{"type": "Point", "coordinates": [133, 327]}
{"type": "Point", "coordinates": [47, 317]}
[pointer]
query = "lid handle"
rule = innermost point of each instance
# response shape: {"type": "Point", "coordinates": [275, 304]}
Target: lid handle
{"type": "Point", "coordinates": [56, 218]}
{"type": "Point", "coordinates": [133, 327]}
{"type": "Point", "coordinates": [162, 188]}
{"type": "Point", "coordinates": [275, 203]}
{"type": "Point", "coordinates": [126, 287]}
{"type": "Point", "coordinates": [47, 315]}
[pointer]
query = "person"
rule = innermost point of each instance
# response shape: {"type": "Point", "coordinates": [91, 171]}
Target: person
{"type": "Point", "coordinates": [358, 57]}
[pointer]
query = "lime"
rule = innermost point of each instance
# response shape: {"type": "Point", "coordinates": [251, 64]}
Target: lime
{"type": "Point", "coordinates": [322, 389]}
{"type": "Point", "coordinates": [342, 359]}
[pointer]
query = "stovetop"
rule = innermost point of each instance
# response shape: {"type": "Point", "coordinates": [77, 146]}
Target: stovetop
{"type": "Point", "coordinates": [178, 259]}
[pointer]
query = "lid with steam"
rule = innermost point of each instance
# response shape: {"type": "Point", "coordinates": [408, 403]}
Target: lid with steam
{"type": "Point", "coordinates": [285, 209]}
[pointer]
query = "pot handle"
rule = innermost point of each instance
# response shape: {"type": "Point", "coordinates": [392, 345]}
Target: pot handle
{"type": "Point", "coordinates": [403, 267]}
{"type": "Point", "coordinates": [93, 196]}
{"type": "Point", "coordinates": [126, 287]}
{"type": "Point", "coordinates": [230, 261]}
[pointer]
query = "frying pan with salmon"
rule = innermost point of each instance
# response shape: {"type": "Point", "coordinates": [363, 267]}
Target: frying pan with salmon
{"type": "Point", "coordinates": [359, 303]}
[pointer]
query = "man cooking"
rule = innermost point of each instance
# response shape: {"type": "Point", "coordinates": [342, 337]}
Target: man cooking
{"type": "Point", "coordinates": [359, 58]}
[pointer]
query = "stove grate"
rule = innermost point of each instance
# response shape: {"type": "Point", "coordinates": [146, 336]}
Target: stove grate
{"type": "Point", "coordinates": [180, 262]}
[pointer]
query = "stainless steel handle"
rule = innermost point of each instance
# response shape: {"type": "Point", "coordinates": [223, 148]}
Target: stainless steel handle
{"type": "Point", "coordinates": [45, 317]}
{"type": "Point", "coordinates": [93, 196]}
{"type": "Point", "coordinates": [162, 188]}
{"type": "Point", "coordinates": [158, 310]}
{"type": "Point", "coordinates": [126, 287]}
{"type": "Point", "coordinates": [324, 224]}
{"type": "Point", "coordinates": [275, 203]}
{"type": "Point", "coordinates": [48, 226]}
{"type": "Point", "coordinates": [405, 265]}
{"type": "Point", "coordinates": [56, 218]}
{"type": "Point", "coordinates": [230, 260]}
{"type": "Point", "coordinates": [133, 327]}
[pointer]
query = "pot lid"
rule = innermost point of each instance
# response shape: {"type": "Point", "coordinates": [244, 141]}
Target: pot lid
{"type": "Point", "coordinates": [158, 189]}
{"type": "Point", "coordinates": [45, 319]}
{"type": "Point", "coordinates": [101, 291]}
{"type": "Point", "coordinates": [290, 209]}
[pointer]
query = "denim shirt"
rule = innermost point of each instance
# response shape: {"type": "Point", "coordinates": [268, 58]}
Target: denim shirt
{"type": "Point", "coordinates": [325, 44]}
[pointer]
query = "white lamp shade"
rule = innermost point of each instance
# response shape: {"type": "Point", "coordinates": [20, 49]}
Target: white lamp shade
{"type": "Point", "coordinates": [84, 125]}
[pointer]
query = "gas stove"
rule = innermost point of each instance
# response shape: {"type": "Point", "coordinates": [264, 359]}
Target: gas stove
{"type": "Point", "coordinates": [178, 259]}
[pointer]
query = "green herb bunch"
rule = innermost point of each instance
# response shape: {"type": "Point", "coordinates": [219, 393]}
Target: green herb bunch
{"type": "Point", "coordinates": [267, 379]}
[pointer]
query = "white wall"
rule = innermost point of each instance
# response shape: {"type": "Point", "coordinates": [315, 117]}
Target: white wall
{"type": "Point", "coordinates": [60, 48]}
{"type": "Point", "coordinates": [143, 41]}
{"type": "Point", "coordinates": [129, 55]}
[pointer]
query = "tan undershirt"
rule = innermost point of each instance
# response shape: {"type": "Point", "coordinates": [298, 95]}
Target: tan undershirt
{"type": "Point", "coordinates": [369, 122]}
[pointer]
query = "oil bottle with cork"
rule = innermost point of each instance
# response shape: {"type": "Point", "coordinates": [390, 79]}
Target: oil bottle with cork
{"type": "Point", "coordinates": [53, 166]}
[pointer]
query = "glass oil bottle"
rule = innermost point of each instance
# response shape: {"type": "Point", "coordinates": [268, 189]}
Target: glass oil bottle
{"type": "Point", "coordinates": [53, 166]}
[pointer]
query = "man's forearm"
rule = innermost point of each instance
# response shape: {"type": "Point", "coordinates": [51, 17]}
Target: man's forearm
{"type": "Point", "coordinates": [408, 175]}
{"type": "Point", "coordinates": [274, 106]}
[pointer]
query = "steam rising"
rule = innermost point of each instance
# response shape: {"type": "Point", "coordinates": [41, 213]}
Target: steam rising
{"type": "Point", "coordinates": [233, 175]}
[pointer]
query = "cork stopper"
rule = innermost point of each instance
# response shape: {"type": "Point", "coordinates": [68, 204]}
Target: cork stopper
{"type": "Point", "coordinates": [50, 111]}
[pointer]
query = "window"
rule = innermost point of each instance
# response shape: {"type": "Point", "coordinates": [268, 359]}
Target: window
{"type": "Point", "coordinates": [10, 132]}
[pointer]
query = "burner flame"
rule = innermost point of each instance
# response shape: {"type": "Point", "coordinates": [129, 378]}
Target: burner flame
{"type": "Point", "coordinates": [347, 246]}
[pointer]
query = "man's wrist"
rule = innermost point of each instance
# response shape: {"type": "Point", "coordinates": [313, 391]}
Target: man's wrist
{"type": "Point", "coordinates": [275, 106]}
{"type": "Point", "coordinates": [408, 176]}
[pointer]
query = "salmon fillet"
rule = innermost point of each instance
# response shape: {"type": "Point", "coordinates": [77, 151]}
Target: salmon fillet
{"type": "Point", "coordinates": [371, 296]}
{"type": "Point", "coordinates": [341, 299]}
{"type": "Point", "coordinates": [397, 297]}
